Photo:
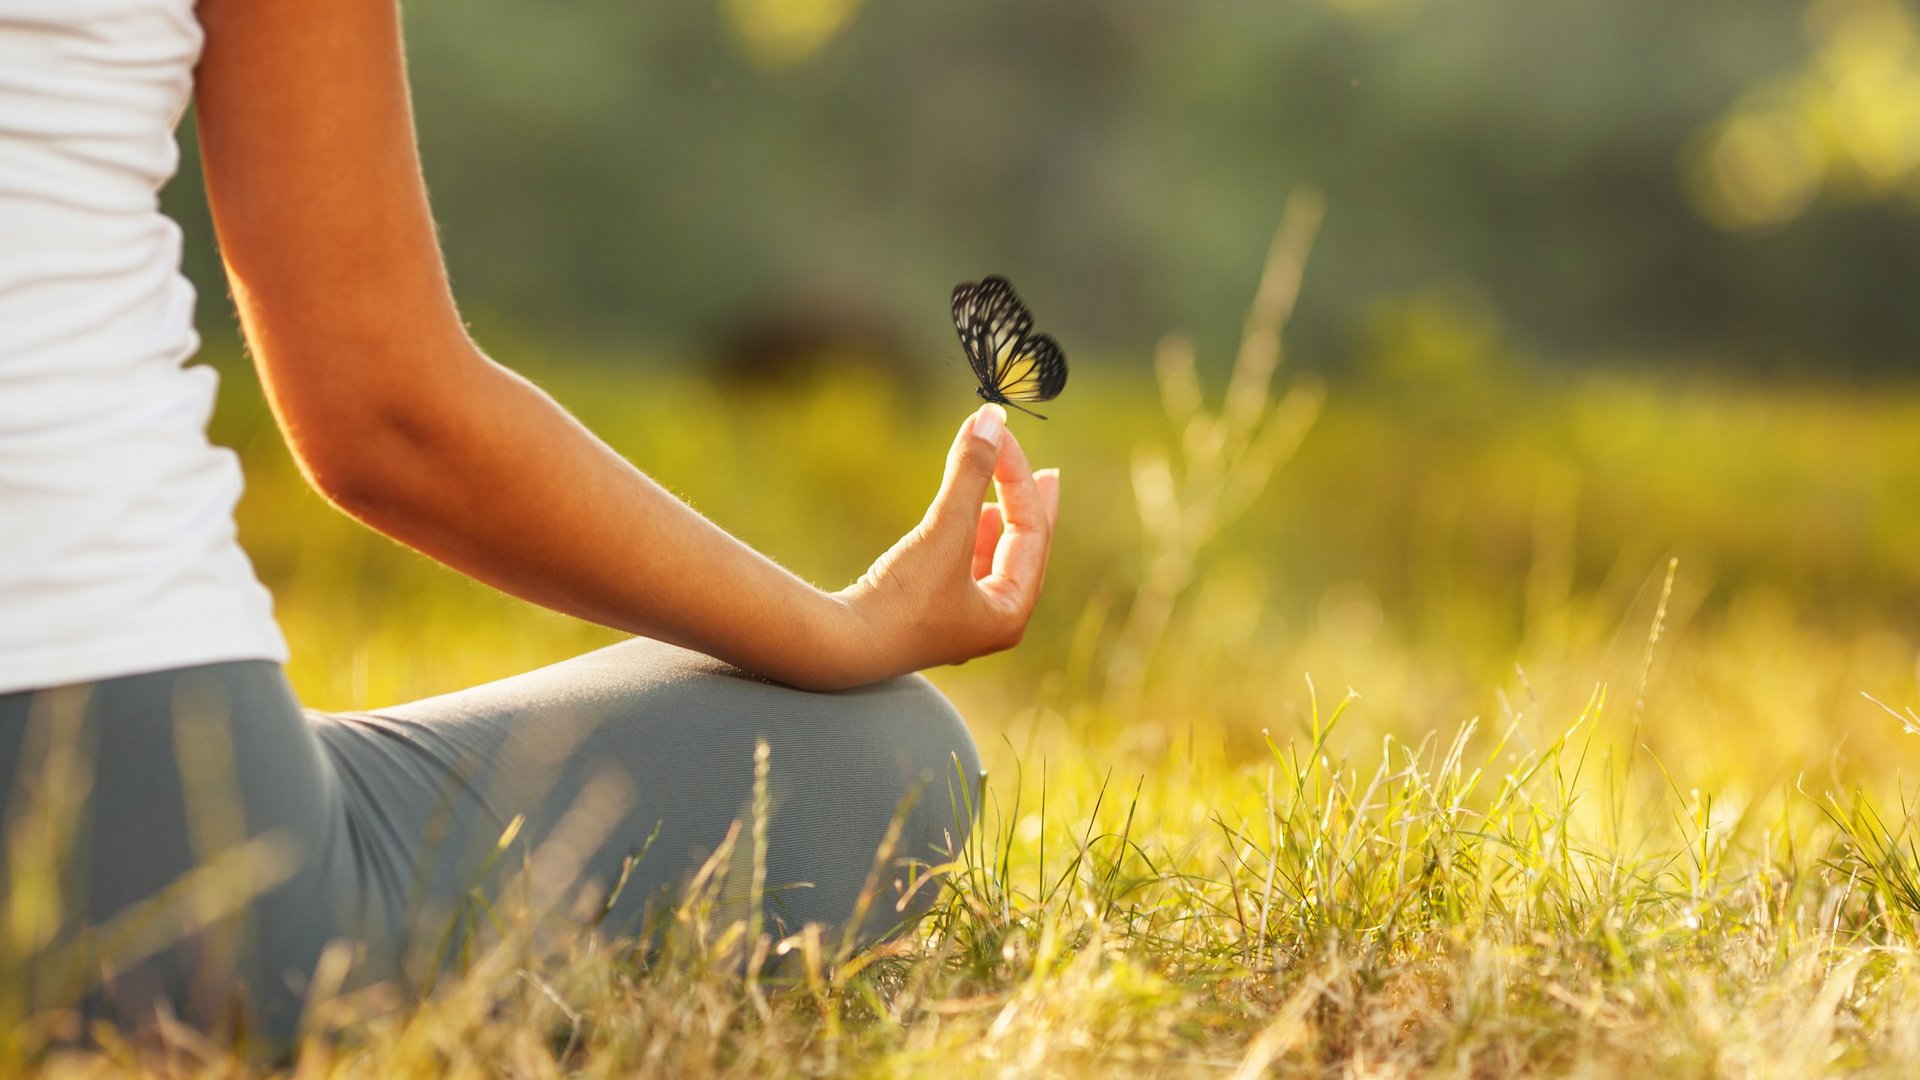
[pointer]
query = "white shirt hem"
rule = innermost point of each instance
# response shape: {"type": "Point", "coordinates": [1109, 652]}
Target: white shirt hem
{"type": "Point", "coordinates": [32, 669]}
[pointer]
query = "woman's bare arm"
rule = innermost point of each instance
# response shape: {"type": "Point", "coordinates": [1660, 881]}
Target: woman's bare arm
{"type": "Point", "coordinates": [395, 414]}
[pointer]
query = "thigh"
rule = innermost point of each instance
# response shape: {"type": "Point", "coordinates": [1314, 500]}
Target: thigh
{"type": "Point", "coordinates": [646, 750]}
{"type": "Point", "coordinates": [183, 825]}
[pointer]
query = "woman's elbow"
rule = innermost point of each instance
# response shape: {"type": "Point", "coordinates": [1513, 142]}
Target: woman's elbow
{"type": "Point", "coordinates": [397, 448]}
{"type": "Point", "coordinates": [371, 471]}
{"type": "Point", "coordinates": [347, 480]}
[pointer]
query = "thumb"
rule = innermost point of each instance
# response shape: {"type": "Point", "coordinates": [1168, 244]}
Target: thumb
{"type": "Point", "coordinates": [970, 465]}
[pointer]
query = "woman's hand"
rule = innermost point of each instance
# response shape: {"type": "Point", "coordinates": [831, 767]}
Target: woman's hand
{"type": "Point", "coordinates": [964, 582]}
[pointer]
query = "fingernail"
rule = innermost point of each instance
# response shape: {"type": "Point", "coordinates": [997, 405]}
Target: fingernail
{"type": "Point", "coordinates": [989, 423]}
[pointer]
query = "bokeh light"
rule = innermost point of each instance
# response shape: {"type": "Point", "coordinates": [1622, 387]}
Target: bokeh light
{"type": "Point", "coordinates": [781, 33]}
{"type": "Point", "coordinates": [1847, 125]}
{"type": "Point", "coordinates": [1757, 170]}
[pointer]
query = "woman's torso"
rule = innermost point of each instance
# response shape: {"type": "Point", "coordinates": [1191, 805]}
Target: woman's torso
{"type": "Point", "coordinates": [117, 547]}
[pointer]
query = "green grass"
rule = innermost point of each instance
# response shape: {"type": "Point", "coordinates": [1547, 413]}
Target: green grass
{"type": "Point", "coordinates": [1605, 796]}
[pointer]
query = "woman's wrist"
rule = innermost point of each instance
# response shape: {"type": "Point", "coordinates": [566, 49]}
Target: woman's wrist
{"type": "Point", "coordinates": [852, 644]}
{"type": "Point", "coordinates": [837, 649]}
{"type": "Point", "coordinates": [832, 646]}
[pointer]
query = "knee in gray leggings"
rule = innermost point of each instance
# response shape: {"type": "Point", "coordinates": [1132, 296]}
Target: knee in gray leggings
{"type": "Point", "coordinates": [866, 794]}
{"type": "Point", "coordinates": [935, 800]}
{"type": "Point", "coordinates": [864, 790]}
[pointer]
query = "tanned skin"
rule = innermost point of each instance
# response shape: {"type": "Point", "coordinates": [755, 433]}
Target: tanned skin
{"type": "Point", "coordinates": [397, 417]}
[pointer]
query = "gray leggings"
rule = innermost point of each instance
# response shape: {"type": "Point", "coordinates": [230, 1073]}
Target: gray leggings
{"type": "Point", "coordinates": [222, 837]}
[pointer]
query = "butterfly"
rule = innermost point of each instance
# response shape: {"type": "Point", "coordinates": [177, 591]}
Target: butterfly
{"type": "Point", "coordinates": [1013, 363]}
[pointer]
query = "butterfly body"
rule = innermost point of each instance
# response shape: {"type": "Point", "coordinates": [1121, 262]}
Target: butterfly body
{"type": "Point", "coordinates": [987, 394]}
{"type": "Point", "coordinates": [1014, 364]}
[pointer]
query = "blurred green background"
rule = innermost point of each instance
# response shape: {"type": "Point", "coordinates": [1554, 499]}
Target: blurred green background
{"type": "Point", "coordinates": [1724, 182]}
{"type": "Point", "coordinates": [1599, 285]}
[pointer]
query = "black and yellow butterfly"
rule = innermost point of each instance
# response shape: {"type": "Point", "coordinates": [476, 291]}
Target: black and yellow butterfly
{"type": "Point", "coordinates": [1013, 363]}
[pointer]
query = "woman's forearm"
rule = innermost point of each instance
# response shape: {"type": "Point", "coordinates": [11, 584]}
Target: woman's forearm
{"type": "Point", "coordinates": [498, 481]}
{"type": "Point", "coordinates": [330, 247]}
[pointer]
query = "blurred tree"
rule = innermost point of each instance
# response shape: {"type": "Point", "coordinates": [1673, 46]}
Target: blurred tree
{"type": "Point", "coordinates": [1633, 178]}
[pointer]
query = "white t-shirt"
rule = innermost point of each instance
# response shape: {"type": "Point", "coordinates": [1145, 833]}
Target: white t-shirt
{"type": "Point", "coordinates": [117, 547]}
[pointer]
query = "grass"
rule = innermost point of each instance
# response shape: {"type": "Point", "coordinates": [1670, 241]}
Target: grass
{"type": "Point", "coordinates": [1608, 798]}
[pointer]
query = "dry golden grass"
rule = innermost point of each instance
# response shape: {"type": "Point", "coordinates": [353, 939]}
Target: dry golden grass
{"type": "Point", "coordinates": [1589, 813]}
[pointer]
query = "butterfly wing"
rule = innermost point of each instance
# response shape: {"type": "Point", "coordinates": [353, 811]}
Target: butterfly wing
{"type": "Point", "coordinates": [966, 315]}
{"type": "Point", "coordinates": [991, 322]}
{"type": "Point", "coordinates": [1036, 370]}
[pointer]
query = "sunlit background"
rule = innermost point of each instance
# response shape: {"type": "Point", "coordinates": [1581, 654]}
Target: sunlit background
{"type": "Point", "coordinates": [1483, 630]}
{"type": "Point", "coordinates": [1598, 286]}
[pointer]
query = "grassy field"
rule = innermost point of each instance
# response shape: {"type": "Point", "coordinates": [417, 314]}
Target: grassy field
{"type": "Point", "coordinates": [1464, 723]}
